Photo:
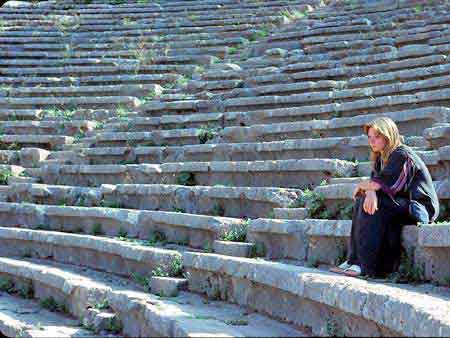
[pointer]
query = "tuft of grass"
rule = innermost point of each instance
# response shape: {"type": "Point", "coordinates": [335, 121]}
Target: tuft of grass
{"type": "Point", "coordinates": [66, 114]}
{"type": "Point", "coordinates": [26, 290]}
{"type": "Point", "coordinates": [53, 305]}
{"type": "Point", "coordinates": [97, 230]}
{"type": "Point", "coordinates": [408, 272]}
{"type": "Point", "coordinates": [103, 305]}
{"type": "Point", "coordinates": [205, 134]}
{"type": "Point", "coordinates": [186, 178]}
{"type": "Point", "coordinates": [4, 175]}
{"type": "Point", "coordinates": [157, 237]}
{"type": "Point", "coordinates": [141, 280]}
{"type": "Point", "coordinates": [235, 233]}
{"type": "Point", "coordinates": [7, 285]}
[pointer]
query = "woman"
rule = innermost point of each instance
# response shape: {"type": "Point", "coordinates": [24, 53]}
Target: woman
{"type": "Point", "coordinates": [399, 192]}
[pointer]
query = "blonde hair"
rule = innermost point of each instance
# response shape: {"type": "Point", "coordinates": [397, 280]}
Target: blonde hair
{"type": "Point", "coordinates": [387, 128]}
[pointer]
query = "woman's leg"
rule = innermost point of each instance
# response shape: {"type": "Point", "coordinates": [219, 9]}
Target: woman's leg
{"type": "Point", "coordinates": [372, 235]}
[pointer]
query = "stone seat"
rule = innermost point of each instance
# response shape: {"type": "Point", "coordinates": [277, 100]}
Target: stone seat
{"type": "Point", "coordinates": [282, 173]}
{"type": "Point", "coordinates": [438, 135]}
{"type": "Point", "coordinates": [338, 192]}
{"type": "Point", "coordinates": [376, 105]}
{"type": "Point", "coordinates": [196, 231]}
{"type": "Point", "coordinates": [304, 291]}
{"type": "Point", "coordinates": [347, 148]}
{"type": "Point", "coordinates": [112, 90]}
{"type": "Point", "coordinates": [79, 287]}
{"type": "Point", "coordinates": [53, 142]}
{"type": "Point", "coordinates": [11, 157]}
{"type": "Point", "coordinates": [410, 122]}
{"type": "Point", "coordinates": [86, 102]}
{"type": "Point", "coordinates": [173, 136]}
{"type": "Point", "coordinates": [165, 122]}
{"type": "Point", "coordinates": [131, 258]}
{"type": "Point", "coordinates": [34, 320]}
{"type": "Point", "coordinates": [386, 77]}
{"type": "Point", "coordinates": [27, 81]}
{"type": "Point", "coordinates": [20, 114]}
{"type": "Point", "coordinates": [69, 128]}
{"type": "Point", "coordinates": [217, 200]}
{"type": "Point", "coordinates": [96, 70]}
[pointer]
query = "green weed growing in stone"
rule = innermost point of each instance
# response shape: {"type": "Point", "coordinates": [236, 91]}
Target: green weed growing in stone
{"type": "Point", "coordinates": [186, 178]}
{"type": "Point", "coordinates": [2, 25]}
{"type": "Point", "coordinates": [97, 230]}
{"type": "Point", "coordinates": [103, 305]}
{"type": "Point", "coordinates": [333, 328]}
{"type": "Point", "coordinates": [205, 134]}
{"type": "Point", "coordinates": [176, 267]}
{"type": "Point", "coordinates": [141, 280]}
{"type": "Point", "coordinates": [408, 271]}
{"type": "Point", "coordinates": [258, 250]}
{"type": "Point", "coordinates": [66, 114]}
{"type": "Point", "coordinates": [114, 325]}
{"type": "Point", "coordinates": [122, 113]}
{"type": "Point", "coordinates": [157, 237]}
{"type": "Point", "coordinates": [122, 232]}
{"type": "Point", "coordinates": [235, 233]}
{"type": "Point", "coordinates": [293, 14]}
{"type": "Point", "coordinates": [150, 96]}
{"type": "Point", "coordinates": [7, 285]}
{"type": "Point", "coordinates": [53, 305]}
{"type": "Point", "coordinates": [159, 271]}
{"type": "Point", "coordinates": [5, 174]}
{"type": "Point", "coordinates": [237, 322]}
{"type": "Point", "coordinates": [218, 210]}
{"type": "Point", "coordinates": [26, 290]}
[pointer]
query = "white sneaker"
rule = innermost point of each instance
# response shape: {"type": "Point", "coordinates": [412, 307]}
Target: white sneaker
{"type": "Point", "coordinates": [344, 266]}
{"type": "Point", "coordinates": [353, 271]}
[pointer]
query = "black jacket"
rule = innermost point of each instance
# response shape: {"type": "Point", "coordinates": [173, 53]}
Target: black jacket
{"type": "Point", "coordinates": [405, 176]}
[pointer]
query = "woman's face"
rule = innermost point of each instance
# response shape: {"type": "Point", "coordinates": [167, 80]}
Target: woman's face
{"type": "Point", "coordinates": [376, 141]}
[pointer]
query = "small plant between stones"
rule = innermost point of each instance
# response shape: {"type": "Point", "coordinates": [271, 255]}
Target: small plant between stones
{"type": "Point", "coordinates": [235, 233]}
{"type": "Point", "coordinates": [53, 305]}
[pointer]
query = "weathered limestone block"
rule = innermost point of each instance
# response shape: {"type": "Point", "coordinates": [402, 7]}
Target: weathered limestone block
{"type": "Point", "coordinates": [290, 213]}
{"type": "Point", "coordinates": [311, 297]}
{"type": "Point", "coordinates": [31, 157]}
{"type": "Point", "coordinates": [238, 249]}
{"type": "Point", "coordinates": [167, 286]}
{"type": "Point", "coordinates": [281, 238]}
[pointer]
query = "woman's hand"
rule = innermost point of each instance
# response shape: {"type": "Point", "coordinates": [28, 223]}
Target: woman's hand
{"type": "Point", "coordinates": [370, 205]}
{"type": "Point", "coordinates": [357, 191]}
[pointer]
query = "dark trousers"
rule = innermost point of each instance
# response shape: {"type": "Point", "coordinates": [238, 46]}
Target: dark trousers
{"type": "Point", "coordinates": [375, 243]}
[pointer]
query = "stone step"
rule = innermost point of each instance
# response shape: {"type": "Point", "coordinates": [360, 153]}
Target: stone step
{"type": "Point", "coordinates": [196, 231]}
{"type": "Point", "coordinates": [132, 7]}
{"type": "Point", "coordinates": [166, 122]}
{"type": "Point", "coordinates": [410, 122]}
{"type": "Point", "coordinates": [157, 137]}
{"type": "Point", "coordinates": [15, 142]}
{"type": "Point", "coordinates": [438, 135]}
{"type": "Point", "coordinates": [282, 173]}
{"type": "Point", "coordinates": [26, 318]}
{"type": "Point", "coordinates": [138, 79]}
{"type": "Point", "coordinates": [217, 200]}
{"type": "Point", "coordinates": [301, 90]}
{"type": "Point", "coordinates": [335, 193]}
{"type": "Point", "coordinates": [69, 128]}
{"type": "Point", "coordinates": [74, 91]}
{"type": "Point", "coordinates": [130, 257]}
{"type": "Point", "coordinates": [342, 301]}
{"type": "Point", "coordinates": [290, 213]}
{"type": "Point", "coordinates": [96, 70]}
{"type": "Point", "coordinates": [11, 157]}
{"type": "Point", "coordinates": [78, 288]}
{"type": "Point", "coordinates": [20, 114]}
{"type": "Point", "coordinates": [327, 111]}
{"type": "Point", "coordinates": [205, 60]}
{"type": "Point", "coordinates": [86, 102]}
{"type": "Point", "coordinates": [345, 148]}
